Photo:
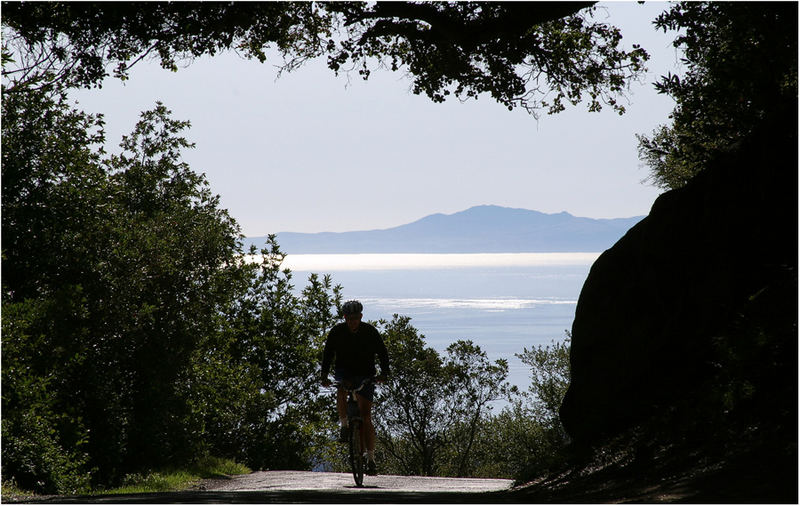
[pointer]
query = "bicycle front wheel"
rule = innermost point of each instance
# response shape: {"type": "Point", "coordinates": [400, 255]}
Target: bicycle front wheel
{"type": "Point", "coordinates": [356, 452]}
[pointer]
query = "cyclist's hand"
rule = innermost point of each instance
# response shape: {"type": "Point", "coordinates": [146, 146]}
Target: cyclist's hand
{"type": "Point", "coordinates": [380, 378]}
{"type": "Point", "coordinates": [326, 382]}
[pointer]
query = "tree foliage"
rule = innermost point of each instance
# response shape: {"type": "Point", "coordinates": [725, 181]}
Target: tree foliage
{"type": "Point", "coordinates": [134, 336]}
{"type": "Point", "coordinates": [518, 52]}
{"type": "Point", "coordinates": [537, 55]}
{"type": "Point", "coordinates": [541, 442]}
{"type": "Point", "coordinates": [550, 373]}
{"type": "Point", "coordinates": [436, 417]}
{"type": "Point", "coordinates": [276, 336]}
{"type": "Point", "coordinates": [526, 439]}
{"type": "Point", "coordinates": [76, 42]}
{"type": "Point", "coordinates": [430, 414]}
{"type": "Point", "coordinates": [741, 70]}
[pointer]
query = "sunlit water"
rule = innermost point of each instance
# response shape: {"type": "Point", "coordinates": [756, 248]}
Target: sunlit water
{"type": "Point", "coordinates": [422, 261]}
{"type": "Point", "coordinates": [502, 302]}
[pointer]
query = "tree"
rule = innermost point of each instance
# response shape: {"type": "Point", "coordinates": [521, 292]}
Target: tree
{"type": "Point", "coordinates": [122, 260]}
{"type": "Point", "coordinates": [134, 336]}
{"type": "Point", "coordinates": [526, 437]}
{"type": "Point", "coordinates": [435, 416]}
{"type": "Point", "coordinates": [473, 384]}
{"type": "Point", "coordinates": [275, 336]}
{"type": "Point", "coordinates": [40, 450]}
{"type": "Point", "coordinates": [542, 444]}
{"type": "Point", "coordinates": [47, 158]}
{"type": "Point", "coordinates": [519, 53]}
{"type": "Point", "coordinates": [550, 375]}
{"type": "Point", "coordinates": [430, 413]}
{"type": "Point", "coordinates": [741, 71]}
{"type": "Point", "coordinates": [74, 43]}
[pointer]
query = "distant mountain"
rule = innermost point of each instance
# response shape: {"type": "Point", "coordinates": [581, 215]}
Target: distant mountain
{"type": "Point", "coordinates": [480, 229]}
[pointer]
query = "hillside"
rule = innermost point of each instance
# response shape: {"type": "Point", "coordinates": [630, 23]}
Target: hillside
{"type": "Point", "coordinates": [480, 229]}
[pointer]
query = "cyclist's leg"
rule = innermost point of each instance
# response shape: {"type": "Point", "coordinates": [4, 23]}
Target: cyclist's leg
{"type": "Point", "coordinates": [367, 429]}
{"type": "Point", "coordinates": [368, 433]}
{"type": "Point", "coordinates": [341, 405]}
{"type": "Point", "coordinates": [365, 396]}
{"type": "Point", "coordinates": [341, 396]}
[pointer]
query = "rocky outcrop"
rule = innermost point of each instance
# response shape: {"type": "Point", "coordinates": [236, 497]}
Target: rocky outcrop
{"type": "Point", "coordinates": [701, 292]}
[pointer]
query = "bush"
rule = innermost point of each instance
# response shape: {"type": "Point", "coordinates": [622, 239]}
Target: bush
{"type": "Point", "coordinates": [33, 456]}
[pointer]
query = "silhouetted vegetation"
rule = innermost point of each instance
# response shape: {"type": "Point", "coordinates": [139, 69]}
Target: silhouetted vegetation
{"type": "Point", "coordinates": [741, 71]}
{"type": "Point", "coordinates": [537, 55]}
{"type": "Point", "coordinates": [134, 336]}
{"type": "Point", "coordinates": [431, 411]}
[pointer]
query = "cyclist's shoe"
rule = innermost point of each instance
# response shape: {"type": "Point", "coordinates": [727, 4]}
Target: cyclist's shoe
{"type": "Point", "coordinates": [344, 434]}
{"type": "Point", "coordinates": [372, 470]}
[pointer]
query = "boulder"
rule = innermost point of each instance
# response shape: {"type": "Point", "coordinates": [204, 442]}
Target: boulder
{"type": "Point", "coordinates": [657, 308]}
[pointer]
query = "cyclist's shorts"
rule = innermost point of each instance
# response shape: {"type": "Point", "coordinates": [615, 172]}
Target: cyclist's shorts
{"type": "Point", "coordinates": [367, 392]}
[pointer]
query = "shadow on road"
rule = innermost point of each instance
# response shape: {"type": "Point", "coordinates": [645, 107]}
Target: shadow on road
{"type": "Point", "coordinates": [354, 495]}
{"type": "Point", "coordinates": [265, 487]}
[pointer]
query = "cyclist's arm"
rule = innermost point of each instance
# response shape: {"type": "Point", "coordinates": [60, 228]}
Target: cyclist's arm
{"type": "Point", "coordinates": [327, 358]}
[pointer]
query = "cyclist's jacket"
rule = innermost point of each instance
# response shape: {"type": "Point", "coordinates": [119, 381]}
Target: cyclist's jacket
{"type": "Point", "coordinates": [355, 352]}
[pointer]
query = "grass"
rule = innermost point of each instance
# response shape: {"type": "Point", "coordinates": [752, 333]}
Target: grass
{"type": "Point", "coordinates": [10, 491]}
{"type": "Point", "coordinates": [168, 481]}
{"type": "Point", "coordinates": [172, 480]}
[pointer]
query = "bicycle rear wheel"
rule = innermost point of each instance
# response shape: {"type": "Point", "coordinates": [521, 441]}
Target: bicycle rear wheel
{"type": "Point", "coordinates": [356, 452]}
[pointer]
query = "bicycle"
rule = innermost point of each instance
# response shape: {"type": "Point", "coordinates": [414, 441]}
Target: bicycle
{"type": "Point", "coordinates": [356, 454]}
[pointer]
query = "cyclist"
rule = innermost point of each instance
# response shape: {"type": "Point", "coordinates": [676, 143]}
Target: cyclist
{"type": "Point", "coordinates": [354, 345]}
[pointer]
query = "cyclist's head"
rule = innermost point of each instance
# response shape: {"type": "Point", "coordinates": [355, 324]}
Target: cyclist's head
{"type": "Point", "coordinates": [352, 307]}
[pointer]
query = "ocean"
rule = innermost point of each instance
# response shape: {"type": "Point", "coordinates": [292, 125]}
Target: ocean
{"type": "Point", "coordinates": [502, 302]}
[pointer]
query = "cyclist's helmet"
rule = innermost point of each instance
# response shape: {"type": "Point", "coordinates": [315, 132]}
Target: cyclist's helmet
{"type": "Point", "coordinates": [352, 307]}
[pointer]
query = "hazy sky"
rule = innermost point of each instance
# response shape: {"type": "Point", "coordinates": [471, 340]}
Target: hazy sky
{"type": "Point", "coordinates": [312, 152]}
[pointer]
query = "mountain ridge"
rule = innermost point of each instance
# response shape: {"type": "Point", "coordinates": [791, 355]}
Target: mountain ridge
{"type": "Point", "coordinates": [479, 229]}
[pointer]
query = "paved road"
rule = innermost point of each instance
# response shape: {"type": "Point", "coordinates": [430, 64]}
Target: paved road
{"type": "Point", "coordinates": [306, 487]}
{"type": "Point", "coordinates": [304, 480]}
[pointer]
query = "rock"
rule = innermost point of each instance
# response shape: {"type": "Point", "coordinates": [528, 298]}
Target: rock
{"type": "Point", "coordinates": [659, 305]}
